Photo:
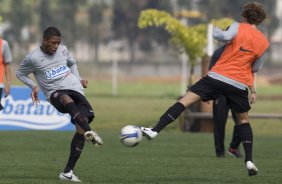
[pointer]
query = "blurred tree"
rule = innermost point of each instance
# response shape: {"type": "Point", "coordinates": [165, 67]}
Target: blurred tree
{"type": "Point", "coordinates": [190, 40]}
{"type": "Point", "coordinates": [20, 16]}
{"type": "Point", "coordinates": [45, 15]}
{"type": "Point", "coordinates": [65, 20]}
{"type": "Point", "coordinates": [223, 8]}
{"type": "Point", "coordinates": [60, 14]}
{"type": "Point", "coordinates": [125, 16]}
{"type": "Point", "coordinates": [95, 11]}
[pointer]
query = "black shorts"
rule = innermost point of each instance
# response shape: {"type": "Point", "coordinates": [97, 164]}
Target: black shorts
{"type": "Point", "coordinates": [210, 89]}
{"type": "Point", "coordinates": [79, 100]}
{"type": "Point", "coordinates": [1, 90]}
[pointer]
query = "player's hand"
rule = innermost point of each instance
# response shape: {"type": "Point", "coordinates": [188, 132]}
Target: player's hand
{"type": "Point", "coordinates": [34, 95]}
{"type": "Point", "coordinates": [7, 91]}
{"type": "Point", "coordinates": [84, 83]}
{"type": "Point", "coordinates": [253, 98]}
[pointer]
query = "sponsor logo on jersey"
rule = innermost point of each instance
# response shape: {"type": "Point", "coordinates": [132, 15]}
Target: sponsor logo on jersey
{"type": "Point", "coordinates": [244, 50]}
{"type": "Point", "coordinates": [58, 72]}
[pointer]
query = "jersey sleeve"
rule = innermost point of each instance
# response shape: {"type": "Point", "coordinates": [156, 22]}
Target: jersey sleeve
{"type": "Point", "coordinates": [228, 35]}
{"type": "Point", "coordinates": [7, 56]}
{"type": "Point", "coordinates": [71, 62]}
{"type": "Point", "coordinates": [23, 72]}
{"type": "Point", "coordinates": [258, 63]}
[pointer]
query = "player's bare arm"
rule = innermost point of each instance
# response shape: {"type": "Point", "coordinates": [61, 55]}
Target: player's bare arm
{"type": "Point", "coordinates": [8, 79]}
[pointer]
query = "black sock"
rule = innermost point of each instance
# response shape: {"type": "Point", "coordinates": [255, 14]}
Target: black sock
{"type": "Point", "coordinates": [169, 116]}
{"type": "Point", "coordinates": [235, 138]}
{"type": "Point", "coordinates": [78, 118]}
{"type": "Point", "coordinates": [246, 136]}
{"type": "Point", "coordinates": [82, 122]}
{"type": "Point", "coordinates": [77, 145]}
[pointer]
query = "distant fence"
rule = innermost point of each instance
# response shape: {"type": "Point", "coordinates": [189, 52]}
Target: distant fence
{"type": "Point", "coordinates": [208, 115]}
{"type": "Point", "coordinates": [203, 122]}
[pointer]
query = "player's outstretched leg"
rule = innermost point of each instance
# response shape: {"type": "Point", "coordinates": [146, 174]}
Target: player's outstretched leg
{"type": "Point", "coordinates": [169, 116]}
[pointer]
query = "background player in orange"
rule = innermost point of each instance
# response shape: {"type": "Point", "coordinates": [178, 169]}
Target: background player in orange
{"type": "Point", "coordinates": [5, 69]}
{"type": "Point", "coordinates": [230, 76]}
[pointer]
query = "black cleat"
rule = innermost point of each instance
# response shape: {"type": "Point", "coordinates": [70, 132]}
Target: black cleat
{"type": "Point", "coordinates": [220, 155]}
{"type": "Point", "coordinates": [234, 152]}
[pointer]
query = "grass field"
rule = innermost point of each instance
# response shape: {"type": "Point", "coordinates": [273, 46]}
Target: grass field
{"type": "Point", "coordinates": [35, 157]}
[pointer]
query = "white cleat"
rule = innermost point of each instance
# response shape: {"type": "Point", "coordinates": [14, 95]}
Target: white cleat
{"type": "Point", "coordinates": [93, 137]}
{"type": "Point", "coordinates": [70, 176]}
{"type": "Point", "coordinates": [252, 169]}
{"type": "Point", "coordinates": [149, 133]}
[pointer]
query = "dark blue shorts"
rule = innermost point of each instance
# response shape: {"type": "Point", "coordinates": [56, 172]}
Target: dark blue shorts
{"type": "Point", "coordinates": [210, 89]}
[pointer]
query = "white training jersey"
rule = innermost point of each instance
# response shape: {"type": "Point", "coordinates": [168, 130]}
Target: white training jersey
{"type": "Point", "coordinates": [52, 72]}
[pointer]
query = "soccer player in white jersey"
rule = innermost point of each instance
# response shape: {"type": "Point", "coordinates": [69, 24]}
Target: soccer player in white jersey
{"type": "Point", "coordinates": [56, 73]}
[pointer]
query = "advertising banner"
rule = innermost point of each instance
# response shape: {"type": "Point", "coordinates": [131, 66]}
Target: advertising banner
{"type": "Point", "coordinates": [20, 114]}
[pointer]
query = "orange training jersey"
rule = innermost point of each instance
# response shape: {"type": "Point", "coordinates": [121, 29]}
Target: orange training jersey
{"type": "Point", "coordinates": [236, 60]}
{"type": "Point", "coordinates": [1, 63]}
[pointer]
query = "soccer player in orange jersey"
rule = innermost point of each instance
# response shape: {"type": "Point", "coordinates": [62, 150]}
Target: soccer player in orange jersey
{"type": "Point", "coordinates": [231, 76]}
{"type": "Point", "coordinates": [5, 69]}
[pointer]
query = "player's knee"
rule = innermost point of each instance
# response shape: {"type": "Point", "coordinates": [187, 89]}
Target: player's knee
{"type": "Point", "coordinates": [243, 118]}
{"type": "Point", "coordinates": [65, 99]}
{"type": "Point", "coordinates": [91, 118]}
{"type": "Point", "coordinates": [79, 119]}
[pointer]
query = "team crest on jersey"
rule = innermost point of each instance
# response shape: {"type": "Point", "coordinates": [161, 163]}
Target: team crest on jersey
{"type": "Point", "coordinates": [57, 72]}
{"type": "Point", "coordinates": [64, 52]}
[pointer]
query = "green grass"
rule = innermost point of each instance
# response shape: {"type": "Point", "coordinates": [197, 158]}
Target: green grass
{"type": "Point", "coordinates": [34, 157]}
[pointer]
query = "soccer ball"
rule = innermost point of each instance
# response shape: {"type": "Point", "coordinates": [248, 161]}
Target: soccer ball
{"type": "Point", "coordinates": [130, 135]}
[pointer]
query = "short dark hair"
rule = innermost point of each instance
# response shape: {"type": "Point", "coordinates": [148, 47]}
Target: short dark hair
{"type": "Point", "coordinates": [51, 31]}
{"type": "Point", "coordinates": [253, 12]}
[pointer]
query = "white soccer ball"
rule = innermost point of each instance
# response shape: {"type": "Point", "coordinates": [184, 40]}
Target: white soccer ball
{"type": "Point", "coordinates": [130, 135]}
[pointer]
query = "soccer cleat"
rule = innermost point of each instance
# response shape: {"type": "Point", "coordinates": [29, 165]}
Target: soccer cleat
{"type": "Point", "coordinates": [220, 155]}
{"type": "Point", "coordinates": [93, 137]}
{"type": "Point", "coordinates": [234, 152]}
{"type": "Point", "coordinates": [149, 133]}
{"type": "Point", "coordinates": [252, 169]}
{"type": "Point", "coordinates": [70, 176]}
